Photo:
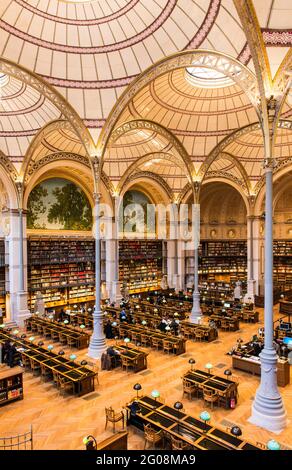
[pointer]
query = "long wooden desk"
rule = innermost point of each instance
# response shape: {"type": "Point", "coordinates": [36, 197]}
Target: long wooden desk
{"type": "Point", "coordinates": [190, 329]}
{"type": "Point", "coordinates": [253, 366]}
{"type": "Point", "coordinates": [136, 357]}
{"type": "Point", "coordinates": [81, 376]}
{"type": "Point", "coordinates": [225, 388]}
{"type": "Point", "coordinates": [178, 344]}
{"type": "Point", "coordinates": [231, 322]}
{"type": "Point", "coordinates": [78, 339]}
{"type": "Point", "coordinates": [191, 430]}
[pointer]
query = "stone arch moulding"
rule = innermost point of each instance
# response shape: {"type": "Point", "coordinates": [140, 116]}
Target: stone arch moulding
{"type": "Point", "coordinates": [203, 58]}
{"type": "Point", "coordinates": [160, 130]}
{"type": "Point", "coordinates": [8, 175]}
{"type": "Point", "coordinates": [37, 140]}
{"type": "Point", "coordinates": [129, 173]}
{"type": "Point", "coordinates": [52, 163]}
{"type": "Point", "coordinates": [10, 68]}
{"type": "Point", "coordinates": [236, 186]}
{"type": "Point", "coordinates": [142, 177]}
{"type": "Point", "coordinates": [280, 170]}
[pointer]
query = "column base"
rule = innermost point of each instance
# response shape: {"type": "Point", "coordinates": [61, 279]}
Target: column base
{"type": "Point", "coordinates": [19, 308]}
{"type": "Point", "coordinates": [196, 313]}
{"type": "Point", "coordinates": [268, 410]}
{"type": "Point", "coordinates": [116, 295]}
{"type": "Point", "coordinates": [175, 281]}
{"type": "Point", "coordinates": [249, 296]}
{"type": "Point", "coordinates": [96, 348]}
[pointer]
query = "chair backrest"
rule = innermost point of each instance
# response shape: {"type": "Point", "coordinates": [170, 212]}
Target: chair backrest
{"type": "Point", "coordinates": [187, 385]}
{"type": "Point", "coordinates": [150, 433]}
{"type": "Point", "coordinates": [110, 413]}
{"type": "Point", "coordinates": [178, 444]}
{"type": "Point", "coordinates": [209, 394]}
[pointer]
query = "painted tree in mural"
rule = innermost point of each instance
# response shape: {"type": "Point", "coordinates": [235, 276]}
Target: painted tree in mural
{"type": "Point", "coordinates": [135, 219]}
{"type": "Point", "coordinates": [71, 208]}
{"type": "Point", "coordinates": [36, 207]}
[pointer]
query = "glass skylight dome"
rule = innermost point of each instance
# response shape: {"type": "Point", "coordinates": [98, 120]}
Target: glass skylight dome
{"type": "Point", "coordinates": [203, 77]}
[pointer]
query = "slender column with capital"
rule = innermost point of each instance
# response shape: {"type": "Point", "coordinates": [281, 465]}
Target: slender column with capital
{"type": "Point", "coordinates": [97, 343]}
{"type": "Point", "coordinates": [196, 313]}
{"type": "Point", "coordinates": [249, 297]}
{"type": "Point", "coordinates": [21, 264]}
{"type": "Point", "coordinates": [268, 410]}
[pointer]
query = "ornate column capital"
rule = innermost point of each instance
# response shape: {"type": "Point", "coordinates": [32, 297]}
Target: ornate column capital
{"type": "Point", "coordinates": [96, 197]}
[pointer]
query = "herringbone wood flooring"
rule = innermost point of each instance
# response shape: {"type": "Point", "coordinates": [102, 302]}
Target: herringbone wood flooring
{"type": "Point", "coordinates": [61, 423]}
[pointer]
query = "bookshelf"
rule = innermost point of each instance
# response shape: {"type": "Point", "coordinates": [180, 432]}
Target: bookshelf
{"type": "Point", "coordinates": [140, 264]}
{"type": "Point", "coordinates": [62, 269]}
{"type": "Point", "coordinates": [219, 261]}
{"type": "Point", "coordinates": [2, 277]}
{"type": "Point", "coordinates": [282, 250]}
{"type": "Point", "coordinates": [11, 385]}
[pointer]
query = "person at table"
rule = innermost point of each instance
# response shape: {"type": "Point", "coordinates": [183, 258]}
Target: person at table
{"type": "Point", "coordinates": [162, 325]}
{"type": "Point", "coordinates": [122, 303]}
{"type": "Point", "coordinates": [5, 350]}
{"type": "Point", "coordinates": [11, 355]}
{"type": "Point", "coordinates": [108, 330]}
{"type": "Point", "coordinates": [174, 326]}
{"type": "Point", "coordinates": [123, 316]}
{"type": "Point", "coordinates": [112, 352]}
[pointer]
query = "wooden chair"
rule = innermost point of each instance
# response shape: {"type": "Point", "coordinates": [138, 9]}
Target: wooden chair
{"type": "Point", "coordinates": [135, 338]}
{"type": "Point", "coordinates": [62, 338]}
{"type": "Point", "coordinates": [187, 333]}
{"type": "Point", "coordinates": [189, 388]}
{"type": "Point", "coordinates": [225, 325]}
{"type": "Point", "coordinates": [45, 373]}
{"type": "Point", "coordinates": [72, 342]}
{"type": "Point", "coordinates": [94, 367]}
{"type": "Point", "coordinates": [35, 366]}
{"type": "Point", "coordinates": [112, 417]}
{"type": "Point", "coordinates": [25, 361]}
{"type": "Point", "coordinates": [178, 444]}
{"type": "Point", "coordinates": [40, 330]}
{"type": "Point", "coordinates": [210, 396]}
{"type": "Point", "coordinates": [199, 335]}
{"type": "Point", "coordinates": [167, 346]}
{"type": "Point", "coordinates": [145, 340]}
{"type": "Point", "coordinates": [152, 436]}
{"type": "Point", "coordinates": [65, 385]}
{"type": "Point", "coordinates": [126, 363]}
{"type": "Point", "coordinates": [54, 335]}
{"type": "Point", "coordinates": [155, 343]}
{"type": "Point", "coordinates": [34, 327]}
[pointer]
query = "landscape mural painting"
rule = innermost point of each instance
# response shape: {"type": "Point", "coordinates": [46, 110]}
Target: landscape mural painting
{"type": "Point", "coordinates": [58, 204]}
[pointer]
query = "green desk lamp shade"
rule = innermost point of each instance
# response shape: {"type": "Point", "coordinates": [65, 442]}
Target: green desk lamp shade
{"type": "Point", "coordinates": [273, 445]}
{"type": "Point", "coordinates": [72, 357]}
{"type": "Point", "coordinates": [167, 328]}
{"type": "Point", "coordinates": [31, 338]}
{"type": "Point", "coordinates": [15, 332]}
{"type": "Point", "coordinates": [209, 366]}
{"type": "Point", "coordinates": [82, 326]}
{"type": "Point", "coordinates": [50, 347]}
{"type": "Point", "coordinates": [205, 416]}
{"type": "Point", "coordinates": [155, 394]}
{"type": "Point", "coordinates": [144, 322]}
{"type": "Point", "coordinates": [66, 322]}
{"type": "Point", "coordinates": [126, 340]}
{"type": "Point", "coordinates": [114, 323]}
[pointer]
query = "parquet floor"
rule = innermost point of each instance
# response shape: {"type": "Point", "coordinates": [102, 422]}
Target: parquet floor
{"type": "Point", "coordinates": [62, 422]}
